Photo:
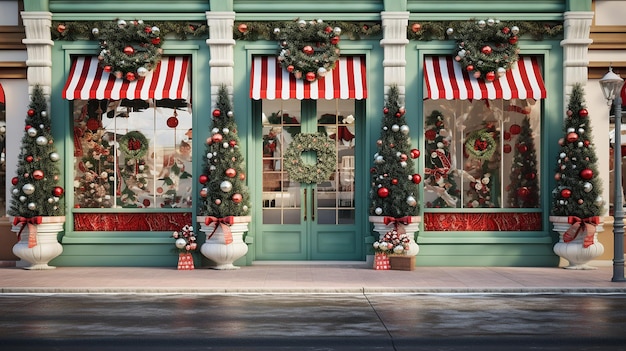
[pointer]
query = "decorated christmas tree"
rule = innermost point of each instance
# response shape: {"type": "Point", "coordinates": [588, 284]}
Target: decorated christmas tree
{"type": "Point", "coordinates": [483, 159]}
{"type": "Point", "coordinates": [439, 175]}
{"type": "Point", "coordinates": [134, 171]}
{"type": "Point", "coordinates": [93, 184]}
{"type": "Point", "coordinates": [36, 191]}
{"type": "Point", "coordinates": [223, 191]}
{"type": "Point", "coordinates": [578, 187]}
{"type": "Point", "coordinates": [394, 189]}
{"type": "Point", "coordinates": [524, 186]}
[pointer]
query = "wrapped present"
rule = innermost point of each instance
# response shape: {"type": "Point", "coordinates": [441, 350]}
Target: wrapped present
{"type": "Point", "coordinates": [402, 262]}
{"type": "Point", "coordinates": [381, 262]}
{"type": "Point", "coordinates": [185, 261]}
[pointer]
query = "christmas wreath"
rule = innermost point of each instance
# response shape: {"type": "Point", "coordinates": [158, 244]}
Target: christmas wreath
{"type": "Point", "coordinates": [481, 144]}
{"type": "Point", "coordinates": [326, 163]}
{"type": "Point", "coordinates": [134, 145]}
{"type": "Point", "coordinates": [486, 49]}
{"type": "Point", "coordinates": [129, 50]}
{"type": "Point", "coordinates": [308, 49]}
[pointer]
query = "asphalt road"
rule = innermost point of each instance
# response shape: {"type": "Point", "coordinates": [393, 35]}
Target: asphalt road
{"type": "Point", "coordinates": [312, 322]}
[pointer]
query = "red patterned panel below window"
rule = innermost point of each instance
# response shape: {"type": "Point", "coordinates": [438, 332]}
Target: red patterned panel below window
{"type": "Point", "coordinates": [112, 222]}
{"type": "Point", "coordinates": [482, 221]}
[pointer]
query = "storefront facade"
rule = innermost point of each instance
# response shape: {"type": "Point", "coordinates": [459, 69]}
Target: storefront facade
{"type": "Point", "coordinates": [122, 205]}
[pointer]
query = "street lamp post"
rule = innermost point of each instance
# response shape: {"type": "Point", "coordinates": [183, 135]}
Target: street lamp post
{"type": "Point", "coordinates": [611, 85]}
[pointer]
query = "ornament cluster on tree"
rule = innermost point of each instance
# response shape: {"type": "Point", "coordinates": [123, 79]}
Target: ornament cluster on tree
{"type": "Point", "coordinates": [129, 50]}
{"type": "Point", "coordinates": [439, 176]}
{"type": "Point", "coordinates": [36, 190]}
{"type": "Point", "coordinates": [524, 187]}
{"type": "Point", "coordinates": [578, 187]}
{"type": "Point", "coordinates": [486, 49]}
{"type": "Point", "coordinates": [223, 192]}
{"type": "Point", "coordinates": [394, 190]}
{"type": "Point", "coordinates": [308, 50]}
{"type": "Point", "coordinates": [481, 167]}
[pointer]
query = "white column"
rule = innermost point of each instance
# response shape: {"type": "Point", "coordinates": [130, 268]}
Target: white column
{"type": "Point", "coordinates": [39, 48]}
{"type": "Point", "coordinates": [394, 44]}
{"type": "Point", "coordinates": [221, 44]}
{"type": "Point", "coordinates": [575, 47]}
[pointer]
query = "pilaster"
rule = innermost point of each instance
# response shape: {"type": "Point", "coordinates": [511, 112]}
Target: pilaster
{"type": "Point", "coordinates": [39, 49]}
{"type": "Point", "coordinates": [575, 47]}
{"type": "Point", "coordinates": [221, 45]}
{"type": "Point", "coordinates": [394, 44]}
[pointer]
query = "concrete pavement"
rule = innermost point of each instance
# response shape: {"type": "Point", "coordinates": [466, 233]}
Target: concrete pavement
{"type": "Point", "coordinates": [311, 277]}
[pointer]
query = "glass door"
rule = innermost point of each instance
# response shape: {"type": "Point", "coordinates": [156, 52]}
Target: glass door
{"type": "Point", "coordinates": [302, 221]}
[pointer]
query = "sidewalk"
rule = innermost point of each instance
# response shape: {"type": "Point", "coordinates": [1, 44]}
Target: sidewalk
{"type": "Point", "coordinates": [312, 278]}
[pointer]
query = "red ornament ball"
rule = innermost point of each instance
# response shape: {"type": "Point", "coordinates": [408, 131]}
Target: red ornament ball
{"type": "Point", "coordinates": [523, 192]}
{"type": "Point", "coordinates": [416, 178]}
{"type": "Point", "coordinates": [566, 193]}
{"type": "Point", "coordinates": [128, 50]}
{"type": "Point", "coordinates": [515, 129]}
{"type": "Point", "coordinates": [290, 68]}
{"type": "Point", "coordinates": [583, 113]}
{"type": "Point", "coordinates": [415, 153]}
{"type": "Point", "coordinates": [243, 28]}
{"type": "Point", "coordinates": [230, 172]}
{"type": "Point", "coordinates": [130, 76]}
{"type": "Point", "coordinates": [237, 198]}
{"type": "Point", "coordinates": [522, 148]}
{"type": "Point", "coordinates": [507, 148]}
{"type": "Point", "coordinates": [217, 112]}
{"type": "Point", "coordinates": [469, 68]}
{"type": "Point", "coordinates": [172, 122]}
{"type": "Point", "coordinates": [38, 174]}
{"type": "Point", "coordinates": [61, 28]}
{"type": "Point", "coordinates": [31, 112]}
{"type": "Point", "coordinates": [146, 203]}
{"type": "Point", "coordinates": [107, 68]}
{"type": "Point", "coordinates": [310, 76]}
{"type": "Point", "coordinates": [572, 137]}
{"type": "Point", "coordinates": [156, 41]}
{"type": "Point", "coordinates": [512, 40]}
{"type": "Point", "coordinates": [586, 143]}
{"type": "Point", "coordinates": [531, 176]}
{"type": "Point", "coordinates": [242, 176]}
{"type": "Point", "coordinates": [217, 138]}
{"type": "Point", "coordinates": [586, 174]}
{"type": "Point", "coordinates": [416, 27]}
{"type": "Point", "coordinates": [334, 40]}
{"type": "Point", "coordinates": [57, 191]}
{"type": "Point", "coordinates": [394, 181]}
{"type": "Point", "coordinates": [15, 180]}
{"type": "Point", "coordinates": [486, 50]}
{"type": "Point", "coordinates": [203, 178]}
{"type": "Point", "coordinates": [232, 143]}
{"type": "Point", "coordinates": [386, 110]}
{"type": "Point", "coordinates": [383, 192]}
{"type": "Point", "coordinates": [308, 49]}
{"type": "Point", "coordinates": [490, 76]}
{"type": "Point", "coordinates": [29, 158]}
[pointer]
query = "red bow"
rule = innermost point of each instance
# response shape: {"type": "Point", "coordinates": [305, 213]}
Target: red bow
{"type": "Point", "coordinates": [225, 224]}
{"type": "Point", "coordinates": [32, 228]}
{"type": "Point", "coordinates": [587, 225]}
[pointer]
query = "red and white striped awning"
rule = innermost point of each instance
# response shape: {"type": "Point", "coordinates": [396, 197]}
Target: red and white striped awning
{"type": "Point", "coordinates": [87, 80]}
{"type": "Point", "coordinates": [444, 78]}
{"type": "Point", "coordinates": [346, 81]}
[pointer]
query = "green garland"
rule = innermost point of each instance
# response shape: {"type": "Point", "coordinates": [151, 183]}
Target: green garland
{"type": "Point", "coordinates": [308, 50]}
{"type": "Point", "coordinates": [480, 144]}
{"type": "Point", "coordinates": [134, 145]}
{"type": "Point", "coordinates": [326, 158]}
{"type": "Point", "coordinates": [129, 49]}
{"type": "Point", "coordinates": [487, 48]}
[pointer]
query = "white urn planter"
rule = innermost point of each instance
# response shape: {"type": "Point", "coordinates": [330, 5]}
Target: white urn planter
{"type": "Point", "coordinates": [38, 244]}
{"type": "Point", "coordinates": [410, 229]}
{"type": "Point", "coordinates": [216, 247]}
{"type": "Point", "coordinates": [574, 251]}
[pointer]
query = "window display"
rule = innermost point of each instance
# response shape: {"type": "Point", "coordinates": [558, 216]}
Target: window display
{"type": "Point", "coordinates": [132, 154]}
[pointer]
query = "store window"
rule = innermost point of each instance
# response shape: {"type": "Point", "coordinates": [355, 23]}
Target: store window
{"type": "Point", "coordinates": [132, 140]}
{"type": "Point", "coordinates": [482, 147]}
{"type": "Point", "coordinates": [132, 154]}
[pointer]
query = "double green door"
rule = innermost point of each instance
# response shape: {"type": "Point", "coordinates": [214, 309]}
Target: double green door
{"type": "Point", "coordinates": [302, 221]}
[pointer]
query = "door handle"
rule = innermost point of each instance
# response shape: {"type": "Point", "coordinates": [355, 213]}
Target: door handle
{"type": "Point", "coordinates": [312, 205]}
{"type": "Point", "coordinates": [305, 205]}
